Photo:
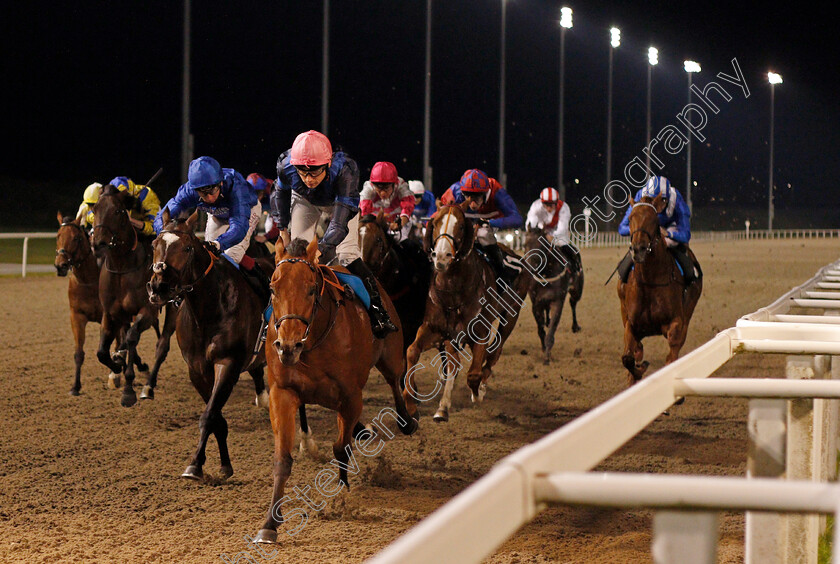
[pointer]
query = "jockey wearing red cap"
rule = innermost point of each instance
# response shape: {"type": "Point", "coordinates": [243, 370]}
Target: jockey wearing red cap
{"type": "Point", "coordinates": [390, 194]}
{"type": "Point", "coordinates": [490, 208]}
{"type": "Point", "coordinates": [553, 215]}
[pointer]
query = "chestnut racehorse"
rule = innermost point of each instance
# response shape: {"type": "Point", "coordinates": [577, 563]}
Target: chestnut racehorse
{"type": "Point", "coordinates": [655, 299]}
{"type": "Point", "coordinates": [321, 352]}
{"type": "Point", "coordinates": [402, 269]}
{"type": "Point", "coordinates": [73, 256]}
{"type": "Point", "coordinates": [218, 326]}
{"type": "Point", "coordinates": [122, 290]}
{"type": "Point", "coordinates": [463, 302]}
{"type": "Point", "coordinates": [548, 294]}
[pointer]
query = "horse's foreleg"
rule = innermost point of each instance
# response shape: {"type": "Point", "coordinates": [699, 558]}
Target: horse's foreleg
{"type": "Point", "coordinates": [78, 321]}
{"type": "Point", "coordinates": [161, 351]}
{"type": "Point", "coordinates": [307, 443]}
{"type": "Point", "coordinates": [556, 313]}
{"type": "Point", "coordinates": [107, 334]}
{"type": "Point", "coordinates": [142, 322]}
{"type": "Point", "coordinates": [475, 378]}
{"type": "Point", "coordinates": [212, 421]}
{"type": "Point", "coordinates": [676, 334]}
{"type": "Point", "coordinates": [537, 310]}
{"type": "Point", "coordinates": [348, 416]}
{"type": "Point", "coordinates": [451, 365]}
{"type": "Point", "coordinates": [423, 341]}
{"type": "Point", "coordinates": [633, 355]}
{"type": "Point", "coordinates": [282, 405]}
{"type": "Point", "coordinates": [258, 376]}
{"type": "Point", "coordinates": [575, 293]}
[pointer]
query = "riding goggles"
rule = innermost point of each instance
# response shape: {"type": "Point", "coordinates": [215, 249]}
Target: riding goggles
{"type": "Point", "coordinates": [208, 190]}
{"type": "Point", "coordinates": [310, 171]}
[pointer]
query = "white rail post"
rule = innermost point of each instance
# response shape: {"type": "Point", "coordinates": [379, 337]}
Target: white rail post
{"type": "Point", "coordinates": [802, 453]}
{"type": "Point", "coordinates": [685, 537]}
{"type": "Point", "coordinates": [25, 253]}
{"type": "Point", "coordinates": [766, 536]}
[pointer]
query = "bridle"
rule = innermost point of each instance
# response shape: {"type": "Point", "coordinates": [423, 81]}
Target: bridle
{"type": "Point", "coordinates": [452, 241]}
{"type": "Point", "coordinates": [651, 237]}
{"type": "Point", "coordinates": [114, 242]}
{"type": "Point", "coordinates": [321, 284]}
{"type": "Point", "coordinates": [158, 267]}
{"type": "Point", "coordinates": [63, 252]}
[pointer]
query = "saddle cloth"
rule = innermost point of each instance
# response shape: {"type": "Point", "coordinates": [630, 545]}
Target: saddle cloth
{"type": "Point", "coordinates": [353, 282]}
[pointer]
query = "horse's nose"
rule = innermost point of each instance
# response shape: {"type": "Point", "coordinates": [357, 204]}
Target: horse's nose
{"type": "Point", "coordinates": [289, 353]}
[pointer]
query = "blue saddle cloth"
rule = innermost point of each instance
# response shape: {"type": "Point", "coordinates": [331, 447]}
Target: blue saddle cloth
{"type": "Point", "coordinates": [354, 282]}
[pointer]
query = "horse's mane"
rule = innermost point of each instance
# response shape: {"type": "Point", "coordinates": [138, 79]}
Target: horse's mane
{"type": "Point", "coordinates": [130, 202]}
{"type": "Point", "coordinates": [369, 218]}
{"type": "Point", "coordinates": [297, 248]}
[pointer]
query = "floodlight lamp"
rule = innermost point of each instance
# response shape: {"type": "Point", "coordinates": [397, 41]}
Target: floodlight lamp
{"type": "Point", "coordinates": [774, 78]}
{"type": "Point", "coordinates": [565, 17]}
{"type": "Point", "coordinates": [691, 66]}
{"type": "Point", "coordinates": [615, 37]}
{"type": "Point", "coordinates": [653, 55]}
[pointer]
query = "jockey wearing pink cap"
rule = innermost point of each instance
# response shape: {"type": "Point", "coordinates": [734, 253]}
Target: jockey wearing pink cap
{"type": "Point", "coordinates": [386, 192]}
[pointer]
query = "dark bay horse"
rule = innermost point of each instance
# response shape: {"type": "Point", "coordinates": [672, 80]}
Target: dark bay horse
{"type": "Point", "coordinates": [122, 290]}
{"type": "Point", "coordinates": [402, 269]}
{"type": "Point", "coordinates": [218, 326]}
{"type": "Point", "coordinates": [321, 352]}
{"type": "Point", "coordinates": [548, 292]}
{"type": "Point", "coordinates": [655, 300]}
{"type": "Point", "coordinates": [465, 300]}
{"type": "Point", "coordinates": [74, 257]}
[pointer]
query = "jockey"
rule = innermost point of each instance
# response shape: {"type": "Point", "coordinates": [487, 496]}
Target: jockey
{"type": "Point", "coordinates": [85, 213]}
{"type": "Point", "coordinates": [142, 219]}
{"type": "Point", "coordinates": [424, 201]}
{"type": "Point", "coordinates": [232, 212]}
{"type": "Point", "coordinates": [388, 193]}
{"type": "Point", "coordinates": [674, 223]}
{"type": "Point", "coordinates": [490, 207]}
{"type": "Point", "coordinates": [553, 215]}
{"type": "Point", "coordinates": [262, 188]}
{"type": "Point", "coordinates": [314, 184]}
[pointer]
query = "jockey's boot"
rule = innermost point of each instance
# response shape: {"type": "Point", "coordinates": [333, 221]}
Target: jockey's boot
{"type": "Point", "coordinates": [497, 261]}
{"type": "Point", "coordinates": [380, 321]}
{"type": "Point", "coordinates": [624, 267]}
{"type": "Point", "coordinates": [681, 255]}
{"type": "Point", "coordinates": [573, 258]}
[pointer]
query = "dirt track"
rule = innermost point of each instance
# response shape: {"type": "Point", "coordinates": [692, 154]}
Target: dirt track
{"type": "Point", "coordinates": [83, 479]}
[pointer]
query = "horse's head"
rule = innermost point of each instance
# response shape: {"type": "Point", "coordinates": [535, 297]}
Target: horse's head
{"type": "Point", "coordinates": [174, 258]}
{"type": "Point", "coordinates": [111, 225]}
{"type": "Point", "coordinates": [374, 239]}
{"type": "Point", "coordinates": [532, 236]}
{"type": "Point", "coordinates": [72, 245]}
{"type": "Point", "coordinates": [644, 226]}
{"type": "Point", "coordinates": [296, 289]}
{"type": "Point", "coordinates": [449, 237]}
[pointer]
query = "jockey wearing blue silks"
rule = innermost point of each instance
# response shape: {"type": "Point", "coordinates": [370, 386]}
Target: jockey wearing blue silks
{"type": "Point", "coordinates": [674, 220]}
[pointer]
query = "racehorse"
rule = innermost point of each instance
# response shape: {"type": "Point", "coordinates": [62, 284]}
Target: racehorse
{"type": "Point", "coordinates": [73, 256]}
{"type": "Point", "coordinates": [402, 269]}
{"type": "Point", "coordinates": [322, 349]}
{"type": "Point", "coordinates": [655, 300]}
{"type": "Point", "coordinates": [122, 290]}
{"type": "Point", "coordinates": [459, 308]}
{"type": "Point", "coordinates": [548, 294]}
{"type": "Point", "coordinates": [218, 327]}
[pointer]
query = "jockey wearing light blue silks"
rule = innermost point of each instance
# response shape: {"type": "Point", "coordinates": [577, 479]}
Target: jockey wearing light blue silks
{"type": "Point", "coordinates": [675, 221]}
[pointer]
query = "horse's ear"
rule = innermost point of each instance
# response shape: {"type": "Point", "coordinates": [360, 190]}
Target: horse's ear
{"type": "Point", "coordinates": [469, 239]}
{"type": "Point", "coordinates": [60, 217]}
{"type": "Point", "coordinates": [279, 250]}
{"type": "Point", "coordinates": [312, 249]}
{"type": "Point", "coordinates": [630, 200]}
{"type": "Point", "coordinates": [659, 203]}
{"type": "Point", "coordinates": [165, 216]}
{"type": "Point", "coordinates": [192, 221]}
{"type": "Point", "coordinates": [465, 205]}
{"type": "Point", "coordinates": [380, 217]}
{"type": "Point", "coordinates": [427, 237]}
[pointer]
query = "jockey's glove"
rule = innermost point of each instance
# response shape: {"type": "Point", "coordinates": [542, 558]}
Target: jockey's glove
{"type": "Point", "coordinates": [214, 248]}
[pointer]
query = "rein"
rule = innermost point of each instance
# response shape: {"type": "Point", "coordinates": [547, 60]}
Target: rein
{"type": "Point", "coordinates": [322, 281]}
{"type": "Point", "coordinates": [651, 240]}
{"type": "Point", "coordinates": [178, 297]}
{"type": "Point", "coordinates": [114, 242]}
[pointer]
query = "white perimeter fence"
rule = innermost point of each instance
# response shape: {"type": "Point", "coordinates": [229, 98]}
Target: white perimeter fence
{"type": "Point", "coordinates": [791, 459]}
{"type": "Point", "coordinates": [516, 238]}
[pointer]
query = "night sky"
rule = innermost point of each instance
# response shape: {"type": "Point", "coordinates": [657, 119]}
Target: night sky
{"type": "Point", "coordinates": [93, 90]}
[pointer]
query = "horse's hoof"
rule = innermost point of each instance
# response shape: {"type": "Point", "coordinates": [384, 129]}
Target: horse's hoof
{"type": "Point", "coordinates": [74, 392]}
{"type": "Point", "coordinates": [262, 400]}
{"type": "Point", "coordinates": [482, 391]}
{"type": "Point", "coordinates": [307, 444]}
{"type": "Point", "coordinates": [226, 471]}
{"type": "Point", "coordinates": [441, 415]}
{"type": "Point", "coordinates": [142, 368]}
{"type": "Point", "coordinates": [194, 472]}
{"type": "Point", "coordinates": [575, 328]}
{"type": "Point", "coordinates": [547, 360]}
{"type": "Point", "coordinates": [266, 536]}
{"type": "Point", "coordinates": [148, 393]}
{"type": "Point", "coordinates": [680, 400]}
{"type": "Point", "coordinates": [114, 381]}
{"type": "Point", "coordinates": [128, 399]}
{"type": "Point", "coordinates": [410, 427]}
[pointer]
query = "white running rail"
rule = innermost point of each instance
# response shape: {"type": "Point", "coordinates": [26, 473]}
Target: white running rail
{"type": "Point", "coordinates": [555, 469]}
